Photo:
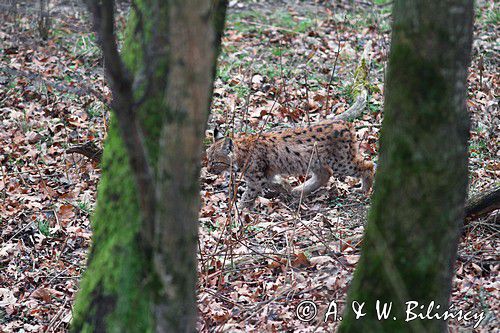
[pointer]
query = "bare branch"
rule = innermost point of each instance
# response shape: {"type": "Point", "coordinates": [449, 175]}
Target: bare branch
{"type": "Point", "coordinates": [104, 24]}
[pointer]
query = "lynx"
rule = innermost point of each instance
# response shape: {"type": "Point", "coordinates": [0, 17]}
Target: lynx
{"type": "Point", "coordinates": [320, 151]}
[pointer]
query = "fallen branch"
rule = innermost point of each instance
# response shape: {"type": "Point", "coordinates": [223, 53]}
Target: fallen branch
{"type": "Point", "coordinates": [88, 149]}
{"type": "Point", "coordinates": [356, 109]}
{"type": "Point", "coordinates": [482, 204]}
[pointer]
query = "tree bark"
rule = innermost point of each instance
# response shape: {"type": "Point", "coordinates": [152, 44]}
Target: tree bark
{"type": "Point", "coordinates": [189, 93]}
{"type": "Point", "coordinates": [420, 188]}
{"type": "Point", "coordinates": [118, 289]}
{"type": "Point", "coordinates": [141, 272]}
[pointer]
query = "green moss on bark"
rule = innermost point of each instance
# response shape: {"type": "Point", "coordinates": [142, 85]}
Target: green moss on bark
{"type": "Point", "coordinates": [118, 289]}
{"type": "Point", "coordinates": [116, 275]}
{"type": "Point", "coordinates": [420, 187]}
{"type": "Point", "coordinates": [121, 290]}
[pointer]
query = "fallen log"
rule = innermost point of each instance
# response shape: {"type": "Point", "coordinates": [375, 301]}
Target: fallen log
{"type": "Point", "coordinates": [88, 149]}
{"type": "Point", "coordinates": [482, 204]}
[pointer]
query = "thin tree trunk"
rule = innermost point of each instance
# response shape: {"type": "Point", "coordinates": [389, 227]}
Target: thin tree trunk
{"type": "Point", "coordinates": [189, 91]}
{"type": "Point", "coordinates": [420, 188]}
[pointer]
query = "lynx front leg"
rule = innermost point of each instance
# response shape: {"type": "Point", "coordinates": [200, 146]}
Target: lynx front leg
{"type": "Point", "coordinates": [364, 170]}
{"type": "Point", "coordinates": [248, 198]}
{"type": "Point", "coordinates": [367, 178]}
{"type": "Point", "coordinates": [254, 188]}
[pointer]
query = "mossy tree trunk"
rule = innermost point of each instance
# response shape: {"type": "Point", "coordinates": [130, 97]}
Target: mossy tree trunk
{"type": "Point", "coordinates": [141, 272]}
{"type": "Point", "coordinates": [420, 188]}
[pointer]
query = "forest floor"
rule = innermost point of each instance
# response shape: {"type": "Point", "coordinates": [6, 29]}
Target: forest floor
{"type": "Point", "coordinates": [282, 64]}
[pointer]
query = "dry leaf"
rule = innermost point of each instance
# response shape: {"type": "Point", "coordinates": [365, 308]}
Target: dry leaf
{"type": "Point", "coordinates": [301, 261]}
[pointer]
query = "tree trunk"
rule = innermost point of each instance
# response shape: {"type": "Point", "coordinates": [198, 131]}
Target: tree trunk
{"type": "Point", "coordinates": [135, 282]}
{"type": "Point", "coordinates": [189, 93]}
{"type": "Point", "coordinates": [420, 189]}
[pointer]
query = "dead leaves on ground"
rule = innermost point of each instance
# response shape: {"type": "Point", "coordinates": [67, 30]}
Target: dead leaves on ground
{"type": "Point", "coordinates": [46, 195]}
{"type": "Point", "coordinates": [253, 268]}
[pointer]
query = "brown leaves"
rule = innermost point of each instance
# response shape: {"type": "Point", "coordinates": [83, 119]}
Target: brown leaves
{"type": "Point", "coordinates": [42, 112]}
{"type": "Point", "coordinates": [66, 212]}
{"type": "Point", "coordinates": [7, 297]}
{"type": "Point", "coordinates": [207, 211]}
{"type": "Point", "coordinates": [33, 137]}
{"type": "Point", "coordinates": [46, 294]}
{"type": "Point", "coordinates": [301, 261]}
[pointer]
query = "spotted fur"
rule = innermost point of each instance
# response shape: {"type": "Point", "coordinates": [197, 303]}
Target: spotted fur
{"type": "Point", "coordinates": [320, 151]}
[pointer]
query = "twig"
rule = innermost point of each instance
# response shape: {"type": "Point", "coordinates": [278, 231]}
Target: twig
{"type": "Point", "coordinates": [19, 231]}
{"type": "Point", "coordinates": [333, 70]}
{"type": "Point", "coordinates": [308, 117]}
{"type": "Point", "coordinates": [56, 317]}
{"type": "Point", "coordinates": [360, 82]}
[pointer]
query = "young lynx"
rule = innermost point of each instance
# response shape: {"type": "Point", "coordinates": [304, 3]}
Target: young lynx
{"type": "Point", "coordinates": [320, 151]}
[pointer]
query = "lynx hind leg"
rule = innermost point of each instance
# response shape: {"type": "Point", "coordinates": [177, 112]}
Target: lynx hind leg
{"type": "Point", "coordinates": [276, 187]}
{"type": "Point", "coordinates": [281, 185]}
{"type": "Point", "coordinates": [319, 179]}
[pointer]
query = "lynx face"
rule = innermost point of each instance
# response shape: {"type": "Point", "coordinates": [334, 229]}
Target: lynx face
{"type": "Point", "coordinates": [219, 156]}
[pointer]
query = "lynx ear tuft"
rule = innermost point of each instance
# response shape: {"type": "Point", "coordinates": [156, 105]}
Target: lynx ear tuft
{"type": "Point", "coordinates": [218, 134]}
{"type": "Point", "coordinates": [228, 145]}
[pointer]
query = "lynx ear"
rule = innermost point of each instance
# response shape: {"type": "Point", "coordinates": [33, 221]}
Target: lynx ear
{"type": "Point", "coordinates": [218, 134]}
{"type": "Point", "coordinates": [228, 145]}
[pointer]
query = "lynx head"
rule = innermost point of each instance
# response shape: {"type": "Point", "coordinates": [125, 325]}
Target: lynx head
{"type": "Point", "coordinates": [219, 156]}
